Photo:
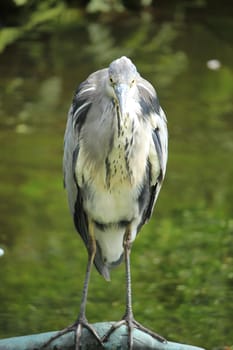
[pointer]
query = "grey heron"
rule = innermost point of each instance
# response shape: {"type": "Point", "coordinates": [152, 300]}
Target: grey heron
{"type": "Point", "coordinates": [115, 155]}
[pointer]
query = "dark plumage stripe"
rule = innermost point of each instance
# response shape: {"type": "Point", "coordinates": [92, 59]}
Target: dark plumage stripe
{"type": "Point", "coordinates": [154, 188]}
{"type": "Point", "coordinates": [147, 195]}
{"type": "Point", "coordinates": [74, 160]}
{"type": "Point", "coordinates": [144, 197]}
{"type": "Point", "coordinates": [157, 143]}
{"type": "Point", "coordinates": [118, 121]}
{"type": "Point", "coordinates": [80, 117]}
{"type": "Point", "coordinates": [153, 192]}
{"type": "Point", "coordinates": [83, 101]}
{"type": "Point", "coordinates": [149, 104]}
{"type": "Point", "coordinates": [107, 172]}
{"type": "Point", "coordinates": [104, 227]}
{"type": "Point", "coordinates": [80, 218]}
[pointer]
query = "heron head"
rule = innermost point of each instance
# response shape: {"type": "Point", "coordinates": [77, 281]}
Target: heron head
{"type": "Point", "coordinates": [122, 80]}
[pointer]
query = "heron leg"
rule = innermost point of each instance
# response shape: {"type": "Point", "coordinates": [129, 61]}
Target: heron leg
{"type": "Point", "coordinates": [128, 318]}
{"type": "Point", "coordinates": [81, 321]}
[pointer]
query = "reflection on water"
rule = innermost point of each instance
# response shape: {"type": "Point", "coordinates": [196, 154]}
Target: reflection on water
{"type": "Point", "coordinates": [182, 261]}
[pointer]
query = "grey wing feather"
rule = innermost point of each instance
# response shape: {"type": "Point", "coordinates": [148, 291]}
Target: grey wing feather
{"type": "Point", "coordinates": [76, 117]}
{"type": "Point", "coordinates": [158, 122]}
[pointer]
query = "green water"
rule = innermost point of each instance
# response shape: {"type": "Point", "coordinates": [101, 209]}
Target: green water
{"type": "Point", "coordinates": [182, 260]}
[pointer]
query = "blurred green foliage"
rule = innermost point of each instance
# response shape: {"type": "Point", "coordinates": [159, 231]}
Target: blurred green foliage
{"type": "Point", "coordinates": [18, 18]}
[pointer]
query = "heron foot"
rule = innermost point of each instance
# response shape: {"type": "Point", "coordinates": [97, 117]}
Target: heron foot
{"type": "Point", "coordinates": [148, 331]}
{"type": "Point", "coordinates": [131, 324]}
{"type": "Point", "coordinates": [77, 328]}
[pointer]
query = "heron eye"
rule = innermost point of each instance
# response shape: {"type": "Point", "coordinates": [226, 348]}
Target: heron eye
{"type": "Point", "coordinates": [132, 82]}
{"type": "Point", "coordinates": [111, 80]}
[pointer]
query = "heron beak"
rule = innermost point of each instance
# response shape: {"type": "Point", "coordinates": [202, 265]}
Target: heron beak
{"type": "Point", "coordinates": [122, 91]}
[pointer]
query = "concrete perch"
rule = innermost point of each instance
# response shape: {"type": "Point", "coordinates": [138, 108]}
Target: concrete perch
{"type": "Point", "coordinates": [117, 341]}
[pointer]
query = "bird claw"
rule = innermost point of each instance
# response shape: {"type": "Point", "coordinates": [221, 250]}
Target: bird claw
{"type": "Point", "coordinates": [148, 331]}
{"type": "Point", "coordinates": [131, 324]}
{"type": "Point", "coordinates": [77, 329]}
{"type": "Point", "coordinates": [57, 335]}
{"type": "Point", "coordinates": [84, 324]}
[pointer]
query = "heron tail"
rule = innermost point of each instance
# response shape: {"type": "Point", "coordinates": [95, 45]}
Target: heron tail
{"type": "Point", "coordinates": [102, 267]}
